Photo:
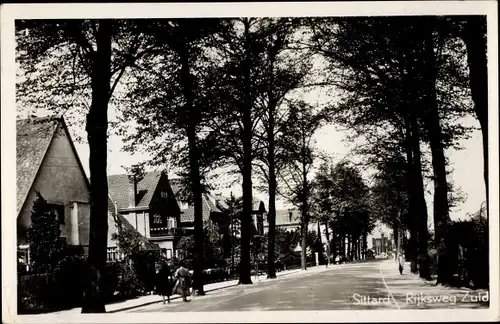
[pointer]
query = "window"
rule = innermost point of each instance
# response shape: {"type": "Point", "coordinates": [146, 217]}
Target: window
{"type": "Point", "coordinates": [113, 254]}
{"type": "Point", "coordinates": [169, 254]}
{"type": "Point", "coordinates": [58, 210]}
{"type": "Point", "coordinates": [157, 219]}
{"type": "Point", "coordinates": [171, 222]}
{"type": "Point", "coordinates": [164, 194]}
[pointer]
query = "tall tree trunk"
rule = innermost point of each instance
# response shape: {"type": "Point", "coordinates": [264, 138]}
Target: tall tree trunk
{"type": "Point", "coordinates": [432, 122]}
{"type": "Point", "coordinates": [191, 119]}
{"type": "Point", "coordinates": [305, 197]}
{"type": "Point", "coordinates": [360, 247]}
{"type": "Point", "coordinates": [97, 126]}
{"type": "Point", "coordinates": [395, 231]}
{"type": "Point", "coordinates": [332, 244]}
{"type": "Point", "coordinates": [271, 217]}
{"type": "Point", "coordinates": [303, 253]}
{"type": "Point", "coordinates": [474, 37]}
{"type": "Point", "coordinates": [365, 244]}
{"type": "Point", "coordinates": [410, 178]}
{"type": "Point", "coordinates": [343, 243]}
{"type": "Point", "coordinates": [421, 206]}
{"type": "Point", "coordinates": [245, 265]}
{"type": "Point", "coordinates": [349, 247]}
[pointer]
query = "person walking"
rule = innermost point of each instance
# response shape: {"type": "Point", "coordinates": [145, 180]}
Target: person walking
{"type": "Point", "coordinates": [182, 284]}
{"type": "Point", "coordinates": [400, 263]}
{"type": "Point", "coordinates": [164, 282]}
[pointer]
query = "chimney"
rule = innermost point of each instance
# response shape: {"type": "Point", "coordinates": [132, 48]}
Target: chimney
{"type": "Point", "coordinates": [132, 191]}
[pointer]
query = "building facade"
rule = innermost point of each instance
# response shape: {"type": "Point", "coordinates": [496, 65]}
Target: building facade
{"type": "Point", "coordinates": [149, 206]}
{"type": "Point", "coordinates": [47, 162]}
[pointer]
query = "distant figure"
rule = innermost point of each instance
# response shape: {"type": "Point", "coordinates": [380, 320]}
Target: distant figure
{"type": "Point", "coordinates": [183, 282]}
{"type": "Point", "coordinates": [400, 263]}
{"type": "Point", "coordinates": [164, 282]}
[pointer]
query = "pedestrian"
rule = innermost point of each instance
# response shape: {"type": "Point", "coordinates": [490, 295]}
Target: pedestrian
{"type": "Point", "coordinates": [183, 282]}
{"type": "Point", "coordinates": [400, 263]}
{"type": "Point", "coordinates": [164, 282]}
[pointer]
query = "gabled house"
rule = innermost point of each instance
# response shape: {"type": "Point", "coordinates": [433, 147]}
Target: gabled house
{"type": "Point", "coordinates": [115, 221]}
{"type": "Point", "coordinates": [258, 215]}
{"type": "Point", "coordinates": [211, 209]}
{"type": "Point", "coordinates": [47, 162]}
{"type": "Point", "coordinates": [149, 205]}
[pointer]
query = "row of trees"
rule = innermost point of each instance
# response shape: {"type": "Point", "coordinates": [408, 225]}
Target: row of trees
{"type": "Point", "coordinates": [201, 94]}
{"type": "Point", "coordinates": [406, 83]}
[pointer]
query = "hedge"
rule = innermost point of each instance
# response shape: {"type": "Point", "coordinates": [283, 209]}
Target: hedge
{"type": "Point", "coordinates": [63, 288]}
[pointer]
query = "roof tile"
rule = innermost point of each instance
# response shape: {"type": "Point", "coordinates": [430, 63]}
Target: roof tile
{"type": "Point", "coordinates": [33, 139]}
{"type": "Point", "coordinates": [118, 186]}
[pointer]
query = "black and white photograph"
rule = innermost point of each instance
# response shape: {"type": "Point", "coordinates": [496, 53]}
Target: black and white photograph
{"type": "Point", "coordinates": [250, 162]}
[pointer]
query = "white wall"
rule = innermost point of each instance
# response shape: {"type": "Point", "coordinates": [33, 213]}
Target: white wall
{"type": "Point", "coordinates": [60, 180]}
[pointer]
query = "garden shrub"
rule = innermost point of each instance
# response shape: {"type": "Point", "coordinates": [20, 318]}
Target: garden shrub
{"type": "Point", "coordinates": [34, 293]}
{"type": "Point", "coordinates": [110, 281]}
{"type": "Point", "coordinates": [68, 282]}
{"type": "Point", "coordinates": [129, 285]}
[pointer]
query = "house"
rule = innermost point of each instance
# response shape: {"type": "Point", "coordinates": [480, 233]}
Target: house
{"type": "Point", "coordinates": [258, 215]}
{"type": "Point", "coordinates": [215, 208]}
{"type": "Point", "coordinates": [115, 220]}
{"type": "Point", "coordinates": [149, 206]}
{"type": "Point", "coordinates": [288, 220]}
{"type": "Point", "coordinates": [47, 162]}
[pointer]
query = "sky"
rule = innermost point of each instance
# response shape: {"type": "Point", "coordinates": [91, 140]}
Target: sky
{"type": "Point", "coordinates": [467, 166]}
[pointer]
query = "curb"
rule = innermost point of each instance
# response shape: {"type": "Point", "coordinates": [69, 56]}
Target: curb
{"type": "Point", "coordinates": [160, 301]}
{"type": "Point", "coordinates": [178, 297]}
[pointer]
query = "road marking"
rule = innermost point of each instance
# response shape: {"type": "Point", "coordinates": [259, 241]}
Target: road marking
{"type": "Point", "coordinates": [387, 287]}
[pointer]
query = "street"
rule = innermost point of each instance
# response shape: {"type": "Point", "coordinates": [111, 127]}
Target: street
{"type": "Point", "coordinates": [356, 286]}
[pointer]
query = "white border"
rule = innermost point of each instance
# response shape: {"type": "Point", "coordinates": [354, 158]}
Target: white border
{"type": "Point", "coordinates": [155, 10]}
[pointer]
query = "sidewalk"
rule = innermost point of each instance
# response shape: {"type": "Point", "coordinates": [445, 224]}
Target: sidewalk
{"type": "Point", "coordinates": [408, 291]}
{"type": "Point", "coordinates": [153, 299]}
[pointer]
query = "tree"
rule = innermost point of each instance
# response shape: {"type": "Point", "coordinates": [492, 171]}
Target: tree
{"type": "Point", "coordinates": [45, 244]}
{"type": "Point", "coordinates": [171, 92]}
{"type": "Point", "coordinates": [473, 34]}
{"type": "Point", "coordinates": [389, 197]}
{"type": "Point", "coordinates": [212, 242]}
{"type": "Point", "coordinates": [385, 64]}
{"type": "Point", "coordinates": [322, 200]}
{"type": "Point", "coordinates": [63, 63]}
{"type": "Point", "coordinates": [234, 213]}
{"type": "Point", "coordinates": [302, 122]}
{"type": "Point", "coordinates": [350, 197]}
{"type": "Point", "coordinates": [283, 72]}
{"type": "Point", "coordinates": [235, 93]}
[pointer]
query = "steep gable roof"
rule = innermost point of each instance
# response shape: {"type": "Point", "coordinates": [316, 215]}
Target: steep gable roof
{"type": "Point", "coordinates": [207, 207]}
{"type": "Point", "coordinates": [119, 184]}
{"type": "Point", "coordinates": [257, 204]}
{"type": "Point", "coordinates": [33, 138]}
{"type": "Point", "coordinates": [113, 224]}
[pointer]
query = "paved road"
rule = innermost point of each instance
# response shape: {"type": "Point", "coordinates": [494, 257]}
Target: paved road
{"type": "Point", "coordinates": [368, 285]}
{"type": "Point", "coordinates": [340, 287]}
